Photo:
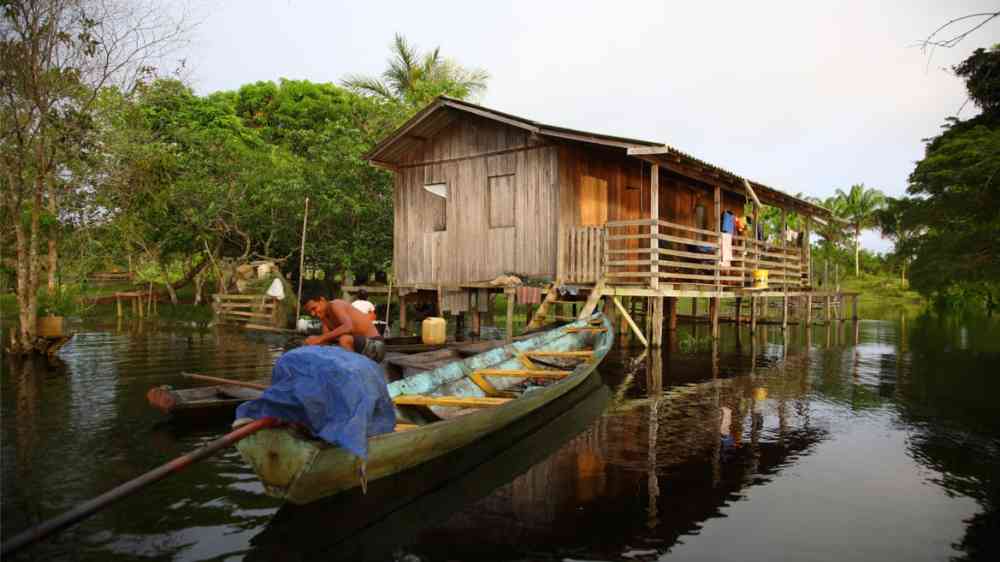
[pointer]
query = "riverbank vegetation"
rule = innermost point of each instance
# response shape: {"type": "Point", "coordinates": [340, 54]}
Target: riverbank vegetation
{"type": "Point", "coordinates": [112, 163]}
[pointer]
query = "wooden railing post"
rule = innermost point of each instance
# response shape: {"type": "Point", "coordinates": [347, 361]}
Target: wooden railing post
{"type": "Point", "coordinates": [654, 226]}
{"type": "Point", "coordinates": [718, 236]}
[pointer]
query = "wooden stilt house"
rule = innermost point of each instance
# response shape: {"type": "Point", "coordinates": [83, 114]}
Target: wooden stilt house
{"type": "Point", "coordinates": [480, 193]}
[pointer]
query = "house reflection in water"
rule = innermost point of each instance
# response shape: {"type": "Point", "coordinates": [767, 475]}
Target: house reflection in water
{"type": "Point", "coordinates": [644, 474]}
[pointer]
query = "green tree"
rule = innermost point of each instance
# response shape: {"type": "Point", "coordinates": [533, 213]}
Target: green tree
{"type": "Point", "coordinates": [414, 78]}
{"type": "Point", "coordinates": [55, 58]}
{"type": "Point", "coordinates": [859, 205]}
{"type": "Point", "coordinates": [954, 194]}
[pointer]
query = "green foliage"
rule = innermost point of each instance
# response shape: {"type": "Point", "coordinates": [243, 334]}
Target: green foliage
{"type": "Point", "coordinates": [64, 301]}
{"type": "Point", "coordinates": [949, 224]}
{"type": "Point", "coordinates": [982, 80]}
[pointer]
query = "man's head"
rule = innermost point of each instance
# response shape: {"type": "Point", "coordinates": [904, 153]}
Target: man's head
{"type": "Point", "coordinates": [314, 306]}
{"type": "Point", "coordinates": [362, 294]}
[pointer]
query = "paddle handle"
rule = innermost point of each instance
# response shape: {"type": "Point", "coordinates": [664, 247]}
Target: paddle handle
{"type": "Point", "coordinates": [82, 511]}
{"type": "Point", "coordinates": [225, 381]}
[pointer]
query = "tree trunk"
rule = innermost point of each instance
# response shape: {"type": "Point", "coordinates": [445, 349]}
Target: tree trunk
{"type": "Point", "coordinates": [172, 292]}
{"type": "Point", "coordinates": [857, 251]}
{"type": "Point", "coordinates": [199, 282]}
{"type": "Point", "coordinates": [190, 275]}
{"type": "Point", "coordinates": [53, 249]}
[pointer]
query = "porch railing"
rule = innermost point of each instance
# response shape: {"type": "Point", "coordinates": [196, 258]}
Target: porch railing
{"type": "Point", "coordinates": [624, 253]}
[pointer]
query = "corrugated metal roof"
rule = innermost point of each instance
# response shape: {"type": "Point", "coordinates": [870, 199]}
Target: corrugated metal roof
{"type": "Point", "coordinates": [442, 112]}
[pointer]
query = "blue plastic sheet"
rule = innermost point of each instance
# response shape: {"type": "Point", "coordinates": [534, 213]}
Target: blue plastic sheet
{"type": "Point", "coordinates": [339, 395]}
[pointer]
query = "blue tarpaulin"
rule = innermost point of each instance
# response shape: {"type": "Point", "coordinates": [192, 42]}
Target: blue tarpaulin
{"type": "Point", "coordinates": [339, 395]}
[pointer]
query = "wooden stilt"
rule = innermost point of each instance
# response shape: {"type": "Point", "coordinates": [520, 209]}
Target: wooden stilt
{"type": "Point", "coordinates": [809, 309]}
{"type": "Point", "coordinates": [671, 313]}
{"type": "Point", "coordinates": [476, 324]}
{"type": "Point", "coordinates": [657, 333]}
{"type": "Point", "coordinates": [459, 326]}
{"type": "Point", "coordinates": [118, 304]}
{"type": "Point", "coordinates": [854, 308]}
{"type": "Point", "coordinates": [402, 315]}
{"type": "Point", "coordinates": [739, 310]}
{"type": "Point", "coordinates": [829, 308]}
{"type": "Point", "coordinates": [510, 314]}
{"type": "Point", "coordinates": [713, 312]}
{"type": "Point", "coordinates": [753, 314]}
{"type": "Point", "coordinates": [784, 311]}
{"type": "Point", "coordinates": [694, 307]}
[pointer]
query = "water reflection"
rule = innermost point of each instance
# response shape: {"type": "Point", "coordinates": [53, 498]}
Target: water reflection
{"type": "Point", "coordinates": [869, 439]}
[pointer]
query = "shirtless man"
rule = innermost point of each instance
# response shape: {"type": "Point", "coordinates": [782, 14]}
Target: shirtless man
{"type": "Point", "coordinates": [346, 326]}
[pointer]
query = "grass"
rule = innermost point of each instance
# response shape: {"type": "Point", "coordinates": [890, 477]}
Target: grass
{"type": "Point", "coordinates": [882, 293]}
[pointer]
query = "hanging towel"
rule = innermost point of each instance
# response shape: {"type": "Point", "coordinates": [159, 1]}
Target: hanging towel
{"type": "Point", "coordinates": [726, 248]}
{"type": "Point", "coordinates": [529, 295]}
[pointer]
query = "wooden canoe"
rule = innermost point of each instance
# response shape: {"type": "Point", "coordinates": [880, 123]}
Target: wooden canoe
{"type": "Point", "coordinates": [437, 411]}
{"type": "Point", "coordinates": [202, 403]}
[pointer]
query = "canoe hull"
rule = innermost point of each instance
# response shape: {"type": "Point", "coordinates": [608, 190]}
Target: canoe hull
{"type": "Point", "coordinates": [302, 471]}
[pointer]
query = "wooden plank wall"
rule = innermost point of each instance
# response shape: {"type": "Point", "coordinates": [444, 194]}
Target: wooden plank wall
{"type": "Point", "coordinates": [464, 156]}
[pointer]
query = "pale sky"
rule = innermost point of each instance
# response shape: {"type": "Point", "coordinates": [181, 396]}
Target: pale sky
{"type": "Point", "coordinates": [802, 96]}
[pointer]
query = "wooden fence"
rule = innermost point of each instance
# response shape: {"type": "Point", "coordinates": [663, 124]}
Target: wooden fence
{"type": "Point", "coordinates": [245, 309]}
{"type": "Point", "coordinates": [583, 250]}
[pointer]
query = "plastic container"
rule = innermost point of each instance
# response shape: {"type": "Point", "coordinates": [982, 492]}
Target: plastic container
{"type": "Point", "coordinates": [50, 326]}
{"type": "Point", "coordinates": [760, 279]}
{"type": "Point", "coordinates": [433, 331]}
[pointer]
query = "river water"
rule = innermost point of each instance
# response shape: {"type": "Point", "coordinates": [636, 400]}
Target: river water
{"type": "Point", "coordinates": [871, 440]}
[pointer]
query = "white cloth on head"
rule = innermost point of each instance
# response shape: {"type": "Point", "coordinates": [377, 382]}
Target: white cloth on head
{"type": "Point", "coordinates": [276, 290]}
{"type": "Point", "coordinates": [726, 249]}
{"type": "Point", "coordinates": [366, 307]}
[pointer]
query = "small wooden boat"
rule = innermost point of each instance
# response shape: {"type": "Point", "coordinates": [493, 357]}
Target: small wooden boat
{"type": "Point", "coordinates": [437, 411]}
{"type": "Point", "coordinates": [196, 404]}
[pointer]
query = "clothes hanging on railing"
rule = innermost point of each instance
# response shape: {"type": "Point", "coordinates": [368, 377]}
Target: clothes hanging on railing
{"type": "Point", "coordinates": [725, 249]}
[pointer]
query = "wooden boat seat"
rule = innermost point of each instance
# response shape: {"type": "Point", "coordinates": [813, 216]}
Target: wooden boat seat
{"type": "Point", "coordinates": [583, 354]}
{"type": "Point", "coordinates": [453, 401]}
{"type": "Point", "coordinates": [524, 373]}
{"type": "Point", "coordinates": [588, 329]}
{"type": "Point", "coordinates": [406, 426]}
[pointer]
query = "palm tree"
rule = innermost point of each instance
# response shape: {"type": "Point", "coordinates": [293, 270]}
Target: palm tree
{"type": "Point", "coordinates": [414, 79]}
{"type": "Point", "coordinates": [859, 206]}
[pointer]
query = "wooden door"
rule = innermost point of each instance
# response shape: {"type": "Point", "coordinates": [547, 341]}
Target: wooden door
{"type": "Point", "coordinates": [593, 201]}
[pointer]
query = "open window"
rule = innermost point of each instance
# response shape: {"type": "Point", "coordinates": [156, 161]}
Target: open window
{"type": "Point", "coordinates": [438, 206]}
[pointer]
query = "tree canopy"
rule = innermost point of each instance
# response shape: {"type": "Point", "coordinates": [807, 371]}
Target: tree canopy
{"type": "Point", "coordinates": [954, 194]}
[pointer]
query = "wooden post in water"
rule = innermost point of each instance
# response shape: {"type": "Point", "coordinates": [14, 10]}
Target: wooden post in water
{"type": "Point", "coordinates": [753, 313]}
{"type": "Point", "coordinates": [672, 313]}
{"type": "Point", "coordinates": [809, 309]}
{"type": "Point", "coordinates": [402, 314]}
{"type": "Point", "coordinates": [854, 308]}
{"type": "Point", "coordinates": [713, 313]}
{"type": "Point", "coordinates": [509, 293]}
{"type": "Point", "coordinates": [657, 332]}
{"type": "Point", "coordinates": [694, 307]}
{"type": "Point", "coordinates": [302, 262]}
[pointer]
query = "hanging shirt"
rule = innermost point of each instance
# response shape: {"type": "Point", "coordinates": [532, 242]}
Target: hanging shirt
{"type": "Point", "coordinates": [366, 307]}
{"type": "Point", "coordinates": [728, 222]}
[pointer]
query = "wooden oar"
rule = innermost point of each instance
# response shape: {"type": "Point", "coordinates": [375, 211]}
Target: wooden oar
{"type": "Point", "coordinates": [225, 381]}
{"type": "Point", "coordinates": [87, 509]}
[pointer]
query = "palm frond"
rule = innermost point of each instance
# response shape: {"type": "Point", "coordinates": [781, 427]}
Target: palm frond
{"type": "Point", "coordinates": [367, 85]}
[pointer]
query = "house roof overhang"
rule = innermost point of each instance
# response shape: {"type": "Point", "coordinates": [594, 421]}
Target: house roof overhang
{"type": "Point", "coordinates": [443, 111]}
